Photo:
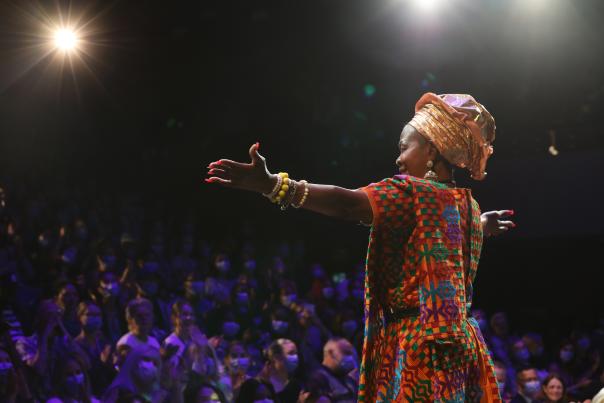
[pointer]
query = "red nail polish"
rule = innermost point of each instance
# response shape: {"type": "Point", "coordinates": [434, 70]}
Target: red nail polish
{"type": "Point", "coordinates": [511, 212]}
{"type": "Point", "coordinates": [208, 180]}
{"type": "Point", "coordinates": [257, 145]}
{"type": "Point", "coordinates": [513, 225]}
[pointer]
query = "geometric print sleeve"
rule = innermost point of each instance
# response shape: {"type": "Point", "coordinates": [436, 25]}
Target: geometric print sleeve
{"type": "Point", "coordinates": [390, 199]}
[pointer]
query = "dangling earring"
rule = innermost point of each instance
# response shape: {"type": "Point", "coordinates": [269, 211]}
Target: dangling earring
{"type": "Point", "coordinates": [430, 175]}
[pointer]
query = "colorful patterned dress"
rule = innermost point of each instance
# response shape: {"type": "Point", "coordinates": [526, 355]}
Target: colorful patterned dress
{"type": "Point", "coordinates": [422, 258]}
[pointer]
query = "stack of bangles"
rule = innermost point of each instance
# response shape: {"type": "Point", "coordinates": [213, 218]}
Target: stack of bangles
{"type": "Point", "coordinates": [286, 191]}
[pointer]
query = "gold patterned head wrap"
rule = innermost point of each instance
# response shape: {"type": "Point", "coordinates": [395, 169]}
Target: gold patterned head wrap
{"type": "Point", "coordinates": [461, 129]}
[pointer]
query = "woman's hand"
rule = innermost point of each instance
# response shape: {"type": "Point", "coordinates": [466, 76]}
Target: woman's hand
{"type": "Point", "coordinates": [492, 223]}
{"type": "Point", "coordinates": [253, 176]}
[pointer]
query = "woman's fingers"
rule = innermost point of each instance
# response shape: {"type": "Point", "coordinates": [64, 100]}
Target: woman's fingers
{"type": "Point", "coordinates": [222, 173]}
{"type": "Point", "coordinates": [228, 164]}
{"type": "Point", "coordinates": [502, 213]}
{"type": "Point", "coordinates": [215, 179]}
{"type": "Point", "coordinates": [507, 224]}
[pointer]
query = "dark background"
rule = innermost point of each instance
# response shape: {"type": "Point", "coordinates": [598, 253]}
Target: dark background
{"type": "Point", "coordinates": [160, 89]}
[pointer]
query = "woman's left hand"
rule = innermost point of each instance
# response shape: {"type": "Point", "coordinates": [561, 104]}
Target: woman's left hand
{"type": "Point", "coordinates": [493, 222]}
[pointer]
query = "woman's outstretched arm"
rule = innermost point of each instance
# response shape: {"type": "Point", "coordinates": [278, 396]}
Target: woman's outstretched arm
{"type": "Point", "coordinates": [333, 201]}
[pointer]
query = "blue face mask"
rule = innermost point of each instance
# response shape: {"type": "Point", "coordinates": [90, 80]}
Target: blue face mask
{"type": "Point", "coordinates": [279, 326]}
{"type": "Point", "coordinates": [328, 292]}
{"type": "Point", "coordinates": [110, 290]}
{"type": "Point", "coordinates": [250, 265]}
{"type": "Point", "coordinates": [223, 266]}
{"type": "Point", "coordinates": [230, 329]}
{"type": "Point", "coordinates": [151, 267]}
{"type": "Point", "coordinates": [93, 324]}
{"type": "Point", "coordinates": [73, 385]}
{"type": "Point", "coordinates": [291, 363]}
{"type": "Point", "coordinates": [69, 256]}
{"type": "Point", "coordinates": [566, 356]}
{"type": "Point", "coordinates": [5, 367]}
{"type": "Point", "coordinates": [583, 343]}
{"type": "Point", "coordinates": [242, 298]}
{"type": "Point", "coordinates": [349, 327]}
{"type": "Point", "coordinates": [522, 354]}
{"type": "Point", "coordinates": [287, 300]}
{"type": "Point", "coordinates": [240, 364]}
{"type": "Point", "coordinates": [482, 324]}
{"type": "Point", "coordinates": [197, 287]}
{"type": "Point", "coordinates": [109, 260]}
{"type": "Point", "coordinates": [358, 294]}
{"type": "Point", "coordinates": [531, 388]}
{"type": "Point", "coordinates": [150, 289]}
{"type": "Point", "coordinates": [347, 364]}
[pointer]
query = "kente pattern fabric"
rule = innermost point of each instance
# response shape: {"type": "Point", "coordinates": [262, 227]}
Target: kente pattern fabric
{"type": "Point", "coordinates": [423, 252]}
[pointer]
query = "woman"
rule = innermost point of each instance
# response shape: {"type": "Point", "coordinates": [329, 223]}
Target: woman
{"type": "Point", "coordinates": [139, 375]}
{"type": "Point", "coordinates": [426, 236]}
{"type": "Point", "coordinates": [92, 342]}
{"type": "Point", "coordinates": [187, 344]}
{"type": "Point", "coordinates": [282, 363]}
{"type": "Point", "coordinates": [553, 389]}
{"type": "Point", "coordinates": [72, 384]}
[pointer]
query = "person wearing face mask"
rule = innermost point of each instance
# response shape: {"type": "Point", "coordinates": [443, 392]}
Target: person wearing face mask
{"type": "Point", "coordinates": [220, 283]}
{"type": "Point", "coordinates": [311, 335]}
{"type": "Point", "coordinates": [72, 384]}
{"type": "Point", "coordinates": [97, 349]}
{"type": "Point", "coordinates": [139, 375]}
{"type": "Point", "coordinates": [535, 345]}
{"type": "Point", "coordinates": [520, 353]}
{"type": "Point", "coordinates": [109, 298]}
{"type": "Point", "coordinates": [187, 345]}
{"type": "Point", "coordinates": [288, 295]}
{"type": "Point", "coordinates": [194, 290]}
{"type": "Point", "coordinates": [148, 286]}
{"type": "Point", "coordinates": [565, 364]}
{"type": "Point", "coordinates": [281, 323]}
{"type": "Point", "coordinates": [67, 299]}
{"type": "Point", "coordinates": [282, 362]}
{"type": "Point", "coordinates": [348, 326]}
{"type": "Point", "coordinates": [528, 386]}
{"type": "Point", "coordinates": [46, 348]}
{"type": "Point", "coordinates": [338, 363]}
{"type": "Point", "coordinates": [237, 363]}
{"type": "Point", "coordinates": [139, 314]}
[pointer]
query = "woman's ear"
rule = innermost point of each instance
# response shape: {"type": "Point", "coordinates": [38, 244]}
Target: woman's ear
{"type": "Point", "coordinates": [432, 152]}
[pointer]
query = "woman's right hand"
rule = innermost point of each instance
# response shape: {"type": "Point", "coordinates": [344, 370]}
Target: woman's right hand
{"type": "Point", "coordinates": [253, 176]}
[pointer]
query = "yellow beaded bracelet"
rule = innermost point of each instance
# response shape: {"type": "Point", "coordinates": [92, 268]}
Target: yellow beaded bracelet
{"type": "Point", "coordinates": [284, 187]}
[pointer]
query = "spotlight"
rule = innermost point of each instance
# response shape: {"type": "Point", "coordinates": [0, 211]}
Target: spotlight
{"type": "Point", "coordinates": [426, 5]}
{"type": "Point", "coordinates": [65, 39]}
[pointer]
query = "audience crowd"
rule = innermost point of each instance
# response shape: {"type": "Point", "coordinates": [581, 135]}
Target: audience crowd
{"type": "Point", "coordinates": [112, 301]}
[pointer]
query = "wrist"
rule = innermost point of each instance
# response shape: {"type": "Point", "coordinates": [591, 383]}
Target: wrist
{"type": "Point", "coordinates": [269, 184]}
